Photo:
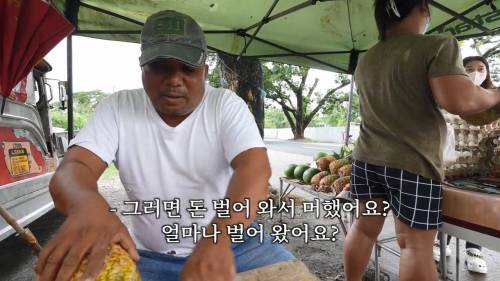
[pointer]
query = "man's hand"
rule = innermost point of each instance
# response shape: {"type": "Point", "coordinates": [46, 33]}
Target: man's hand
{"type": "Point", "coordinates": [209, 261]}
{"type": "Point", "coordinates": [89, 231]}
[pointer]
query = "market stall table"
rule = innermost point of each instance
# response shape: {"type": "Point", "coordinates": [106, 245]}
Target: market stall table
{"type": "Point", "coordinates": [468, 215]}
{"type": "Point", "coordinates": [472, 216]}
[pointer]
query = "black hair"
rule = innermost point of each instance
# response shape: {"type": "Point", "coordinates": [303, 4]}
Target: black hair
{"type": "Point", "coordinates": [487, 84]}
{"type": "Point", "coordinates": [390, 12]}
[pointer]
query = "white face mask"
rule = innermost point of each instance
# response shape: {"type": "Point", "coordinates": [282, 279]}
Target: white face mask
{"type": "Point", "coordinates": [477, 77]}
{"type": "Point", "coordinates": [427, 24]}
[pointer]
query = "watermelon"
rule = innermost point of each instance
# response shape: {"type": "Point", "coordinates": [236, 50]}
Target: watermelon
{"type": "Point", "coordinates": [308, 174]}
{"type": "Point", "coordinates": [289, 171]}
{"type": "Point", "coordinates": [319, 155]}
{"type": "Point", "coordinates": [299, 171]}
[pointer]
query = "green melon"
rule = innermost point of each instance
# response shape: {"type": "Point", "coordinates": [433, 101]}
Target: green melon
{"type": "Point", "coordinates": [299, 171]}
{"type": "Point", "coordinates": [319, 155]}
{"type": "Point", "coordinates": [308, 174]}
{"type": "Point", "coordinates": [289, 171]}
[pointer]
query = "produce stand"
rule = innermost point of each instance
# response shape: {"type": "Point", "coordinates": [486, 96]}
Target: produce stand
{"type": "Point", "coordinates": [289, 185]}
{"type": "Point", "coordinates": [479, 224]}
{"type": "Point", "coordinates": [471, 201]}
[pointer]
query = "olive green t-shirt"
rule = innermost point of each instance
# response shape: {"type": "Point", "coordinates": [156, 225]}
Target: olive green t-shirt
{"type": "Point", "coordinates": [401, 125]}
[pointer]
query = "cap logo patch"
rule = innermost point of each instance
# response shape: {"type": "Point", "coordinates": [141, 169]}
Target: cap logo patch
{"type": "Point", "coordinates": [169, 26]}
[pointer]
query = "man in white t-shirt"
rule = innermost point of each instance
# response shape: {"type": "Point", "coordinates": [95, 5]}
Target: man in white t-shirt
{"type": "Point", "coordinates": [181, 145]}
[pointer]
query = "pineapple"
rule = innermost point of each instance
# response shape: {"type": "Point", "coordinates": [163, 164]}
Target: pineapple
{"type": "Point", "coordinates": [323, 162]}
{"type": "Point", "coordinates": [317, 178]}
{"type": "Point", "coordinates": [326, 182]}
{"type": "Point", "coordinates": [340, 183]}
{"type": "Point", "coordinates": [118, 267]}
{"type": "Point", "coordinates": [336, 165]}
{"type": "Point", "coordinates": [345, 171]}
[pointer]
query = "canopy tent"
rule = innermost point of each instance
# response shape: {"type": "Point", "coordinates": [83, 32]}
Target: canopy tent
{"type": "Point", "coordinates": [324, 34]}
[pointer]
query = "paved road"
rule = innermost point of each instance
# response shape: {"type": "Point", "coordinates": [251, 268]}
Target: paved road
{"type": "Point", "coordinates": [17, 260]}
{"type": "Point", "coordinates": [301, 148]}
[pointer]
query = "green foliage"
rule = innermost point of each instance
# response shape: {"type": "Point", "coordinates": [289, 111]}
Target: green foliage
{"type": "Point", "coordinates": [274, 118]}
{"type": "Point", "coordinates": [84, 105]}
{"type": "Point", "coordinates": [110, 173]}
{"type": "Point", "coordinates": [345, 153]}
{"type": "Point", "coordinates": [214, 72]}
{"type": "Point", "coordinates": [335, 112]}
{"type": "Point", "coordinates": [317, 121]}
{"type": "Point", "coordinates": [86, 102]}
{"type": "Point", "coordinates": [300, 102]}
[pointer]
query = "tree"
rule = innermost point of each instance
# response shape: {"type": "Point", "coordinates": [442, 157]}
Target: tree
{"type": "Point", "coordinates": [274, 118]}
{"type": "Point", "coordinates": [214, 72]}
{"type": "Point", "coordinates": [286, 85]}
{"type": "Point", "coordinates": [60, 119]}
{"type": "Point", "coordinates": [86, 102]}
{"type": "Point", "coordinates": [84, 106]}
{"type": "Point", "coordinates": [244, 77]}
{"type": "Point", "coordinates": [487, 46]}
{"type": "Point", "coordinates": [336, 109]}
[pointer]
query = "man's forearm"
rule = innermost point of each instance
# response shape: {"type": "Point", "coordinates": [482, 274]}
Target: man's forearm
{"type": "Point", "coordinates": [72, 186]}
{"type": "Point", "coordinates": [245, 184]}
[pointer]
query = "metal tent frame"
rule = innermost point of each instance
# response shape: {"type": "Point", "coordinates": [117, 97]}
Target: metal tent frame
{"type": "Point", "coordinates": [73, 8]}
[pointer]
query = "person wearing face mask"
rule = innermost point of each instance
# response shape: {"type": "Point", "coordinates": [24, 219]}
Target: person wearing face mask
{"type": "Point", "coordinates": [402, 82]}
{"type": "Point", "coordinates": [478, 70]}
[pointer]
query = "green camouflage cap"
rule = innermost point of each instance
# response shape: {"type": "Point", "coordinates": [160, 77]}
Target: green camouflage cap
{"type": "Point", "coordinates": [170, 34]}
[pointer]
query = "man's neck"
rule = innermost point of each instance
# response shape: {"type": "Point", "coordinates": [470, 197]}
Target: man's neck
{"type": "Point", "coordinates": [173, 121]}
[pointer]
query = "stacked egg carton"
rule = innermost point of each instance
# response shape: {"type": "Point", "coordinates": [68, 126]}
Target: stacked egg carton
{"type": "Point", "coordinates": [467, 138]}
{"type": "Point", "coordinates": [491, 144]}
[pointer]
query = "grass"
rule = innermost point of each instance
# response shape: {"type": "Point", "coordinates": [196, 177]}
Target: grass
{"type": "Point", "coordinates": [110, 173]}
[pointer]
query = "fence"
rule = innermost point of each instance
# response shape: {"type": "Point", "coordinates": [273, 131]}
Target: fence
{"type": "Point", "coordinates": [325, 134]}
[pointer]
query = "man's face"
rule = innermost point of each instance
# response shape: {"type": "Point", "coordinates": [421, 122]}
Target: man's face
{"type": "Point", "coordinates": [175, 89]}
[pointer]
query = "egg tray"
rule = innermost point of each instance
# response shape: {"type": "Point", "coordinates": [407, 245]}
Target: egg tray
{"type": "Point", "coordinates": [478, 149]}
{"type": "Point", "coordinates": [477, 184]}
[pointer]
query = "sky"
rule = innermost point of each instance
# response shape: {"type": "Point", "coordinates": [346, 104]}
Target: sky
{"type": "Point", "coordinates": [111, 66]}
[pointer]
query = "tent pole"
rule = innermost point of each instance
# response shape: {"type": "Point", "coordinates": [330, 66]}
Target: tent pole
{"type": "Point", "coordinates": [264, 20]}
{"type": "Point", "coordinates": [459, 16]}
{"type": "Point", "coordinates": [69, 51]}
{"type": "Point", "coordinates": [464, 13]}
{"type": "Point", "coordinates": [4, 99]}
{"type": "Point", "coordinates": [71, 13]}
{"type": "Point", "coordinates": [349, 113]}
